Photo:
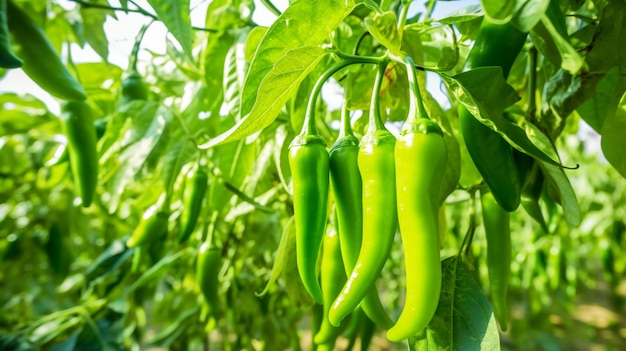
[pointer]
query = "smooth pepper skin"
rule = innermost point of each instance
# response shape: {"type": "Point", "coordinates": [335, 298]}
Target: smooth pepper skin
{"type": "Point", "coordinates": [376, 166]}
{"type": "Point", "coordinates": [498, 233]}
{"type": "Point", "coordinates": [41, 61]}
{"type": "Point", "coordinates": [333, 276]}
{"type": "Point", "coordinates": [78, 125]}
{"type": "Point", "coordinates": [152, 226]}
{"type": "Point", "coordinates": [420, 159]}
{"type": "Point", "coordinates": [7, 57]}
{"type": "Point", "coordinates": [195, 197]}
{"type": "Point", "coordinates": [134, 88]}
{"type": "Point", "coordinates": [309, 163]}
{"type": "Point", "coordinates": [495, 45]}
{"type": "Point", "coordinates": [347, 187]}
{"type": "Point", "coordinates": [208, 265]}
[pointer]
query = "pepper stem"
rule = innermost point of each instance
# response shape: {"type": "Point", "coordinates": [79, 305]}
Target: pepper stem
{"type": "Point", "coordinates": [375, 119]}
{"type": "Point", "coordinates": [309, 127]}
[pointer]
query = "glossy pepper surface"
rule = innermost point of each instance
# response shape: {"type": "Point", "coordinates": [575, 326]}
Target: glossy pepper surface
{"type": "Point", "coordinates": [41, 61]}
{"type": "Point", "coordinates": [7, 57]}
{"type": "Point", "coordinates": [208, 266]}
{"type": "Point", "coordinates": [198, 184]}
{"type": "Point", "coordinates": [309, 163]}
{"type": "Point", "coordinates": [347, 193]}
{"type": "Point", "coordinates": [332, 276]}
{"type": "Point", "coordinates": [376, 165]}
{"type": "Point", "coordinates": [498, 233]}
{"type": "Point", "coordinates": [78, 125]}
{"type": "Point", "coordinates": [152, 226]}
{"type": "Point", "coordinates": [495, 45]}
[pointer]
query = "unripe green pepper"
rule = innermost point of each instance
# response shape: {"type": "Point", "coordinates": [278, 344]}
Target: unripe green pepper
{"type": "Point", "coordinates": [376, 165]}
{"type": "Point", "coordinates": [308, 160]}
{"type": "Point", "coordinates": [498, 233]}
{"type": "Point", "coordinates": [421, 156]}
{"type": "Point", "coordinates": [193, 202]}
{"type": "Point", "coordinates": [41, 61]}
{"type": "Point", "coordinates": [78, 125]}
{"type": "Point", "coordinates": [134, 88]}
{"type": "Point", "coordinates": [208, 266]}
{"type": "Point", "coordinates": [7, 57]}
{"type": "Point", "coordinates": [347, 193]}
{"type": "Point", "coordinates": [152, 226]}
{"type": "Point", "coordinates": [333, 276]}
{"type": "Point", "coordinates": [495, 45]}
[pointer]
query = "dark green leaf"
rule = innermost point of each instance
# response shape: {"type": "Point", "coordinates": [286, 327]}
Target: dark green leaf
{"type": "Point", "coordinates": [487, 103]}
{"type": "Point", "coordinates": [464, 319]}
{"type": "Point", "coordinates": [613, 134]}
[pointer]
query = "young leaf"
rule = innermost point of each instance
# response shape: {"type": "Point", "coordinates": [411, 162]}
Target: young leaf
{"type": "Point", "coordinates": [93, 23]}
{"type": "Point", "coordinates": [281, 255]}
{"type": "Point", "coordinates": [463, 319]}
{"type": "Point", "coordinates": [383, 27]}
{"type": "Point", "coordinates": [528, 13]}
{"type": "Point", "coordinates": [175, 15]}
{"type": "Point", "coordinates": [280, 83]}
{"type": "Point", "coordinates": [304, 23]}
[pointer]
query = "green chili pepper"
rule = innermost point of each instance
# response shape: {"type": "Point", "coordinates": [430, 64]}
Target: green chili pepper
{"type": "Point", "coordinates": [376, 166]}
{"type": "Point", "coordinates": [78, 125]}
{"type": "Point", "coordinates": [57, 251]}
{"type": "Point", "coordinates": [7, 57]}
{"type": "Point", "coordinates": [347, 187]}
{"type": "Point", "coordinates": [194, 199]}
{"type": "Point", "coordinates": [498, 233]}
{"type": "Point", "coordinates": [41, 61]}
{"type": "Point", "coordinates": [134, 88]}
{"type": "Point", "coordinates": [208, 266]}
{"type": "Point", "coordinates": [308, 160]}
{"type": "Point", "coordinates": [420, 161]}
{"type": "Point", "coordinates": [309, 164]}
{"type": "Point", "coordinates": [495, 45]}
{"type": "Point", "coordinates": [152, 226]}
{"type": "Point", "coordinates": [333, 276]}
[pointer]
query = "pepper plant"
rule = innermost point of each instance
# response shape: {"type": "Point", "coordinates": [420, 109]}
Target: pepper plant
{"type": "Point", "coordinates": [212, 195]}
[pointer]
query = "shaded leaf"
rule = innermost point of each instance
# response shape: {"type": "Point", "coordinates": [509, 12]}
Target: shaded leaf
{"type": "Point", "coordinates": [613, 144]}
{"type": "Point", "coordinates": [463, 319]}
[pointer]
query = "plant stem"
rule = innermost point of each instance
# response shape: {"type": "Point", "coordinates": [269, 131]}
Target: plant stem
{"type": "Point", "coordinates": [137, 10]}
{"type": "Point", "coordinates": [309, 128]}
{"type": "Point", "coordinates": [416, 104]}
{"type": "Point", "coordinates": [271, 7]}
{"type": "Point", "coordinates": [375, 120]}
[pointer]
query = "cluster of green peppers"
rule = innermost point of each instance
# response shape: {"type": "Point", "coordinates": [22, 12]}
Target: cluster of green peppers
{"type": "Point", "coordinates": [377, 183]}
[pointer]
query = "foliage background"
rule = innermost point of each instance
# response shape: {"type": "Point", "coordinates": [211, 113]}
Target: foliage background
{"type": "Point", "coordinates": [77, 291]}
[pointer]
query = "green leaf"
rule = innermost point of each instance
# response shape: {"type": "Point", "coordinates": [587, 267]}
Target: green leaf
{"type": "Point", "coordinates": [487, 103]}
{"type": "Point", "coordinates": [528, 13]}
{"type": "Point", "coordinates": [93, 27]}
{"type": "Point", "coordinates": [280, 83]}
{"type": "Point", "coordinates": [281, 255]}
{"type": "Point", "coordinates": [235, 67]}
{"type": "Point", "coordinates": [463, 319]}
{"type": "Point", "coordinates": [604, 100]}
{"type": "Point", "coordinates": [499, 11]}
{"type": "Point", "coordinates": [383, 27]}
{"type": "Point", "coordinates": [613, 144]}
{"type": "Point", "coordinates": [607, 48]}
{"type": "Point", "coordinates": [557, 177]}
{"type": "Point", "coordinates": [175, 15]}
{"type": "Point", "coordinates": [304, 23]}
{"type": "Point", "coordinates": [556, 48]}
{"type": "Point", "coordinates": [21, 113]}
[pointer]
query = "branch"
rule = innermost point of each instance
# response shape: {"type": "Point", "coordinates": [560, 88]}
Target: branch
{"type": "Point", "coordinates": [137, 10]}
